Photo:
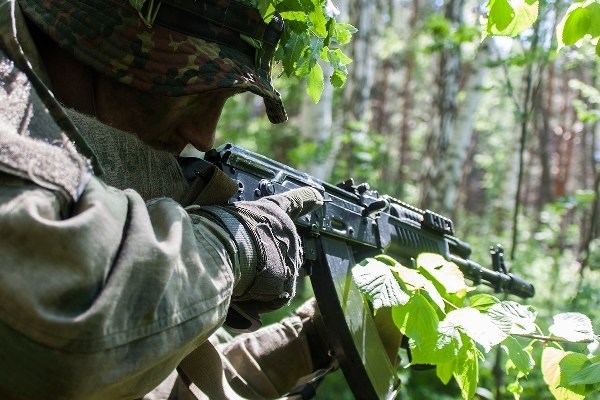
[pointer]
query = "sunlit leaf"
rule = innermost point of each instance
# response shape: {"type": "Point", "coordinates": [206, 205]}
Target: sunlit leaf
{"type": "Point", "coordinates": [447, 274]}
{"type": "Point", "coordinates": [594, 28]}
{"type": "Point", "coordinates": [477, 326]}
{"type": "Point", "coordinates": [466, 372]}
{"type": "Point", "coordinates": [445, 370]}
{"type": "Point", "coordinates": [500, 15]}
{"type": "Point", "coordinates": [376, 281]}
{"type": "Point", "coordinates": [435, 347]}
{"type": "Point", "coordinates": [576, 25]}
{"type": "Point", "coordinates": [319, 22]}
{"type": "Point", "coordinates": [482, 301]}
{"type": "Point", "coordinates": [343, 33]}
{"type": "Point", "coordinates": [572, 326]}
{"type": "Point", "coordinates": [511, 17]}
{"type": "Point", "coordinates": [417, 318]}
{"type": "Point", "coordinates": [556, 374]}
{"type": "Point", "coordinates": [315, 83]}
{"type": "Point", "coordinates": [310, 30]}
{"type": "Point", "coordinates": [580, 19]}
{"type": "Point", "coordinates": [515, 388]}
{"type": "Point", "coordinates": [414, 280]}
{"type": "Point", "coordinates": [521, 317]}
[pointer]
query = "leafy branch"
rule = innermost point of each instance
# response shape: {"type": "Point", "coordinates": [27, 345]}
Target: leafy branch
{"type": "Point", "coordinates": [452, 327]}
{"type": "Point", "coordinates": [580, 23]}
{"type": "Point", "coordinates": [311, 33]}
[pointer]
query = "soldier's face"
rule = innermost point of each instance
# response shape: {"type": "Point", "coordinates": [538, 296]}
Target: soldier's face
{"type": "Point", "coordinates": [166, 123]}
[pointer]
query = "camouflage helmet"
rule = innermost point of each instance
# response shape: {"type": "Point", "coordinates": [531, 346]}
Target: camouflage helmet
{"type": "Point", "coordinates": [191, 46]}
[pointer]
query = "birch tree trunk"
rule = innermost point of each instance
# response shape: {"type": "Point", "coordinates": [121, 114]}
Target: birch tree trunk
{"type": "Point", "coordinates": [317, 128]}
{"type": "Point", "coordinates": [435, 180]}
{"type": "Point", "coordinates": [463, 130]}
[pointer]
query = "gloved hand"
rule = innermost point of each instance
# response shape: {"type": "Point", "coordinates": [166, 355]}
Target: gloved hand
{"type": "Point", "coordinates": [269, 247]}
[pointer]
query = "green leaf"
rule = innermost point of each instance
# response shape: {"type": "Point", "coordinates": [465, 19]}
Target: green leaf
{"type": "Point", "coordinates": [515, 388]}
{"type": "Point", "coordinates": [569, 365]}
{"type": "Point", "coordinates": [337, 58]}
{"type": "Point", "coordinates": [590, 374]}
{"type": "Point", "coordinates": [576, 25]}
{"type": "Point", "coordinates": [509, 18]}
{"type": "Point", "coordinates": [477, 326]}
{"type": "Point", "coordinates": [520, 356]}
{"type": "Point", "coordinates": [572, 326]}
{"type": "Point", "coordinates": [445, 370]}
{"type": "Point", "coordinates": [416, 319]}
{"type": "Point", "coordinates": [319, 23]}
{"type": "Point", "coordinates": [384, 258]}
{"type": "Point", "coordinates": [265, 8]}
{"type": "Point", "coordinates": [342, 33]}
{"type": "Point", "coordinates": [466, 372]}
{"type": "Point", "coordinates": [521, 317]}
{"type": "Point", "coordinates": [500, 15]}
{"type": "Point", "coordinates": [447, 274]}
{"type": "Point", "coordinates": [309, 57]}
{"type": "Point", "coordinates": [378, 283]}
{"type": "Point", "coordinates": [290, 5]}
{"type": "Point", "coordinates": [594, 29]}
{"type": "Point", "coordinates": [338, 78]}
{"type": "Point", "coordinates": [556, 374]}
{"type": "Point", "coordinates": [298, 18]}
{"type": "Point", "coordinates": [415, 281]}
{"type": "Point", "coordinates": [294, 47]}
{"type": "Point", "coordinates": [435, 347]}
{"type": "Point", "coordinates": [482, 301]}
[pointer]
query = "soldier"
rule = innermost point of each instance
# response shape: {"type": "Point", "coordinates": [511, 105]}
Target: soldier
{"type": "Point", "coordinates": [115, 270]}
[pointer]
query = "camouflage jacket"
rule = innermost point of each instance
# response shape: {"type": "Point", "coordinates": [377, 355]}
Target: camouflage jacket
{"type": "Point", "coordinates": [104, 292]}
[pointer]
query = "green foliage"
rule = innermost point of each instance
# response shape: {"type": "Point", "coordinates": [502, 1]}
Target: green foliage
{"type": "Point", "coordinates": [588, 109]}
{"type": "Point", "coordinates": [558, 367]}
{"type": "Point", "coordinates": [447, 327]}
{"type": "Point", "coordinates": [445, 35]}
{"type": "Point", "coordinates": [311, 33]}
{"type": "Point", "coordinates": [509, 18]}
{"type": "Point", "coordinates": [581, 19]}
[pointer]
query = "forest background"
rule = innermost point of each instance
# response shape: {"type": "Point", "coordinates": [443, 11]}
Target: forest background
{"type": "Point", "coordinates": [500, 135]}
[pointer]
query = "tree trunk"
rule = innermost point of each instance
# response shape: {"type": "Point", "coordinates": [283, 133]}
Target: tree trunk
{"type": "Point", "coordinates": [436, 181]}
{"type": "Point", "coordinates": [360, 80]}
{"type": "Point", "coordinates": [317, 127]}
{"type": "Point", "coordinates": [407, 102]}
{"type": "Point", "coordinates": [545, 135]}
{"type": "Point", "coordinates": [463, 130]}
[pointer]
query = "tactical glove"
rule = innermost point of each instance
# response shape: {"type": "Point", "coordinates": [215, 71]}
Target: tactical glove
{"type": "Point", "coordinates": [270, 250]}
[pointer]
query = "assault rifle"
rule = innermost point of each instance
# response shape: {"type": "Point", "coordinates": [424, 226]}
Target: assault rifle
{"type": "Point", "coordinates": [354, 223]}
